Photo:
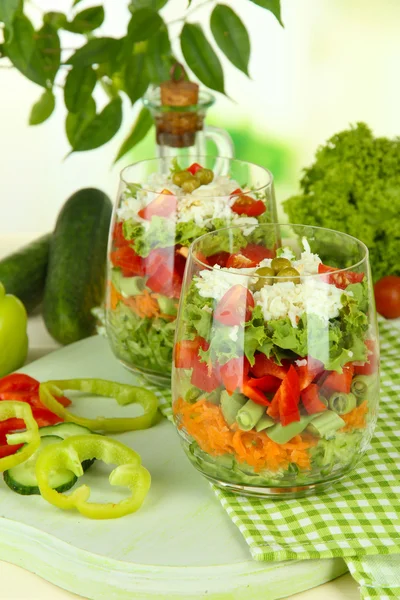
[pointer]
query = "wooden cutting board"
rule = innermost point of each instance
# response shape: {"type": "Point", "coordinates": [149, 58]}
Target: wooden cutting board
{"type": "Point", "coordinates": [180, 545]}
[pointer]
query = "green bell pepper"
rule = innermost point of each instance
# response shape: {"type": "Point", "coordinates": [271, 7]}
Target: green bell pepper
{"type": "Point", "coordinates": [71, 453]}
{"type": "Point", "coordinates": [124, 394]}
{"type": "Point", "coordinates": [13, 333]}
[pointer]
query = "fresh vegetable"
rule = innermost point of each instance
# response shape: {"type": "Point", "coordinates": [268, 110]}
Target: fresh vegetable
{"type": "Point", "coordinates": [75, 280]}
{"type": "Point", "coordinates": [234, 373]}
{"type": "Point", "coordinates": [23, 273]}
{"type": "Point", "coordinates": [30, 438]}
{"type": "Point", "coordinates": [123, 394]}
{"type": "Point", "coordinates": [235, 306]}
{"type": "Point", "coordinates": [342, 403]}
{"type": "Point", "coordinates": [22, 478]}
{"type": "Point", "coordinates": [311, 400]}
{"type": "Point", "coordinates": [70, 454]}
{"type": "Point", "coordinates": [162, 206]}
{"type": "Point", "coordinates": [356, 175]}
{"type": "Point", "coordinates": [286, 399]}
{"type": "Point", "coordinates": [245, 205]}
{"type": "Point", "coordinates": [387, 296]}
{"type": "Point", "coordinates": [370, 366]}
{"type": "Point", "coordinates": [341, 279]}
{"type": "Point", "coordinates": [13, 333]}
{"type": "Point", "coordinates": [194, 168]}
{"type": "Point", "coordinates": [340, 382]}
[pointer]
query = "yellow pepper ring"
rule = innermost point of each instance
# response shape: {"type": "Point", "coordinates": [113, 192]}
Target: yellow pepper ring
{"type": "Point", "coordinates": [70, 453]}
{"type": "Point", "coordinates": [30, 437]}
{"type": "Point", "coordinates": [123, 394]}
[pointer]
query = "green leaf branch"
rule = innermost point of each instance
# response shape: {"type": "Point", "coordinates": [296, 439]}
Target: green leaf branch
{"type": "Point", "coordinates": [124, 66]}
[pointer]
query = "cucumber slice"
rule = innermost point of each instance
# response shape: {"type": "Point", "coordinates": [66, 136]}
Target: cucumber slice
{"type": "Point", "coordinates": [66, 430]}
{"type": "Point", "coordinates": [22, 478]}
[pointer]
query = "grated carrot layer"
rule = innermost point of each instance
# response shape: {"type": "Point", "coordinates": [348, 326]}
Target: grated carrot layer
{"type": "Point", "coordinates": [356, 419]}
{"type": "Point", "coordinates": [143, 305]}
{"type": "Point", "coordinates": [205, 423]}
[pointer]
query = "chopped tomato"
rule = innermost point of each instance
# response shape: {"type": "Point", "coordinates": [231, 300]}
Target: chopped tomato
{"type": "Point", "coordinates": [220, 258]}
{"type": "Point", "coordinates": [239, 261]}
{"type": "Point", "coordinates": [204, 378]}
{"type": "Point", "coordinates": [371, 365]}
{"type": "Point", "coordinates": [266, 366]}
{"type": "Point", "coordinates": [340, 382]}
{"type": "Point", "coordinates": [342, 279]}
{"type": "Point", "coordinates": [166, 272]}
{"type": "Point", "coordinates": [162, 206]}
{"type": "Point", "coordinates": [257, 253]}
{"type": "Point", "coordinates": [234, 373]}
{"type": "Point", "coordinates": [307, 373]}
{"type": "Point", "coordinates": [268, 383]}
{"type": "Point", "coordinates": [118, 235]}
{"type": "Point", "coordinates": [256, 395]}
{"type": "Point", "coordinates": [187, 352]}
{"type": "Point", "coordinates": [235, 306]}
{"type": "Point", "coordinates": [18, 382]}
{"type": "Point", "coordinates": [286, 400]}
{"type": "Point", "coordinates": [245, 205]}
{"type": "Point", "coordinates": [194, 168]}
{"type": "Point", "coordinates": [130, 263]}
{"type": "Point", "coordinates": [311, 401]}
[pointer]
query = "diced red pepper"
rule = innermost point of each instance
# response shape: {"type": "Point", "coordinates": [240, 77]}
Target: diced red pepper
{"type": "Point", "coordinates": [268, 383]}
{"type": "Point", "coordinates": [265, 366]}
{"type": "Point", "coordinates": [234, 373]}
{"type": "Point", "coordinates": [18, 382]}
{"type": "Point", "coordinates": [286, 400]}
{"type": "Point", "coordinates": [307, 373]}
{"type": "Point", "coordinates": [187, 352]}
{"type": "Point", "coordinates": [204, 378]}
{"type": "Point", "coordinates": [118, 235]}
{"type": "Point", "coordinates": [340, 382]}
{"type": "Point", "coordinates": [235, 306]}
{"type": "Point", "coordinates": [194, 168]}
{"type": "Point", "coordinates": [340, 280]}
{"type": "Point", "coordinates": [245, 205]}
{"type": "Point", "coordinates": [311, 400]}
{"type": "Point", "coordinates": [164, 205]}
{"type": "Point", "coordinates": [130, 263]}
{"type": "Point", "coordinates": [257, 253]}
{"type": "Point", "coordinates": [371, 365]}
{"type": "Point", "coordinates": [256, 395]}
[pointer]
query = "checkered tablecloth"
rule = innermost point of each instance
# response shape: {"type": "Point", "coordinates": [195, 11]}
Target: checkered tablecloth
{"type": "Point", "coordinates": [357, 519]}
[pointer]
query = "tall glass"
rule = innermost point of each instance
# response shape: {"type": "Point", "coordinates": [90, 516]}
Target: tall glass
{"type": "Point", "coordinates": [162, 207]}
{"type": "Point", "coordinates": [276, 366]}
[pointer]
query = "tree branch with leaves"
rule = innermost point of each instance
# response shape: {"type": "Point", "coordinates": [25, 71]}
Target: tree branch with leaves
{"type": "Point", "coordinates": [121, 66]}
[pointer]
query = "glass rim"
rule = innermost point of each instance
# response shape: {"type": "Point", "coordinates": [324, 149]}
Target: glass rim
{"type": "Point", "coordinates": [268, 184]}
{"type": "Point", "coordinates": [239, 272]}
{"type": "Point", "coordinates": [206, 100]}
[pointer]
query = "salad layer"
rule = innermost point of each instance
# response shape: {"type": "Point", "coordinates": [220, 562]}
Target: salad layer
{"type": "Point", "coordinates": [276, 374]}
{"type": "Point", "coordinates": [155, 224]}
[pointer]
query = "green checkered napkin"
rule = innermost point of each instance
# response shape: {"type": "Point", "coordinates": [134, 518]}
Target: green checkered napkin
{"type": "Point", "coordinates": [357, 519]}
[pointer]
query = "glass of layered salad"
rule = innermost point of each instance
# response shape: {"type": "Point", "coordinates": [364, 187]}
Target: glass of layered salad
{"type": "Point", "coordinates": [163, 206]}
{"type": "Point", "coordinates": [276, 363]}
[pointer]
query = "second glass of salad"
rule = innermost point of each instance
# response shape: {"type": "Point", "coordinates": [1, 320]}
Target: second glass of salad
{"type": "Point", "coordinates": [163, 206]}
{"type": "Point", "coordinates": [276, 363]}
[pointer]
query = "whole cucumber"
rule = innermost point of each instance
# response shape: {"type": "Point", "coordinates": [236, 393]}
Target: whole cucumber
{"type": "Point", "coordinates": [23, 273]}
{"type": "Point", "coordinates": [76, 272]}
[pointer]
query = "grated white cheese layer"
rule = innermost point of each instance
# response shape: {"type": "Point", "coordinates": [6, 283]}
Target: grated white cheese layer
{"type": "Point", "coordinates": [214, 283]}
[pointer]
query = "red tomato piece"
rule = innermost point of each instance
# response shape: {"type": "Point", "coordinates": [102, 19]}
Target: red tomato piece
{"type": "Point", "coordinates": [18, 382]}
{"type": "Point", "coordinates": [194, 168]}
{"type": "Point", "coordinates": [245, 205]}
{"type": "Point", "coordinates": [187, 352]}
{"type": "Point", "coordinates": [220, 258]}
{"type": "Point", "coordinates": [387, 296]}
{"type": "Point", "coordinates": [130, 263]}
{"type": "Point", "coordinates": [239, 261]}
{"type": "Point", "coordinates": [268, 383]}
{"type": "Point", "coordinates": [340, 280]}
{"type": "Point", "coordinates": [235, 306]}
{"type": "Point", "coordinates": [307, 373]}
{"type": "Point", "coordinates": [340, 382]}
{"type": "Point", "coordinates": [287, 399]}
{"type": "Point", "coordinates": [266, 366]}
{"type": "Point", "coordinates": [204, 378]}
{"type": "Point", "coordinates": [162, 206]}
{"type": "Point", "coordinates": [256, 395]}
{"type": "Point", "coordinates": [311, 400]}
{"type": "Point", "coordinates": [257, 253]}
{"type": "Point", "coordinates": [118, 235]}
{"type": "Point", "coordinates": [371, 365]}
{"type": "Point", "coordinates": [234, 373]}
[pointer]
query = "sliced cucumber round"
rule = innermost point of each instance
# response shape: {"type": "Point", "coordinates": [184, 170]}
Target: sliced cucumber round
{"type": "Point", "coordinates": [22, 478]}
{"type": "Point", "coordinates": [67, 430]}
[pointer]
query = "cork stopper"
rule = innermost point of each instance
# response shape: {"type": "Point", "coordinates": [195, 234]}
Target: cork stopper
{"type": "Point", "coordinates": [177, 91]}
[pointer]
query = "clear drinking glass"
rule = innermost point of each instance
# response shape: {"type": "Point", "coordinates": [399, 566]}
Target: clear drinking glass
{"type": "Point", "coordinates": [160, 210]}
{"type": "Point", "coordinates": [276, 366]}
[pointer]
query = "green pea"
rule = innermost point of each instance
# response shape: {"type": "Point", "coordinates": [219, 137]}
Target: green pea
{"type": "Point", "coordinates": [291, 274]}
{"type": "Point", "coordinates": [280, 263]}
{"type": "Point", "coordinates": [180, 177]}
{"type": "Point", "coordinates": [190, 185]}
{"type": "Point", "coordinates": [205, 176]}
{"type": "Point", "coordinates": [266, 277]}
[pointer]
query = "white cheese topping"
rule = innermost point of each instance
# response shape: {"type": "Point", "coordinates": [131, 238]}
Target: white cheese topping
{"type": "Point", "coordinates": [216, 282]}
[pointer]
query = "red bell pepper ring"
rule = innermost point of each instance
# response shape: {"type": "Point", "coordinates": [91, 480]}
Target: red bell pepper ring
{"type": "Point", "coordinates": [18, 382]}
{"type": "Point", "coordinates": [340, 382]}
{"type": "Point", "coordinates": [235, 306]}
{"type": "Point", "coordinates": [187, 352]}
{"type": "Point", "coordinates": [311, 400]}
{"type": "Point", "coordinates": [164, 205]}
{"type": "Point", "coordinates": [342, 279]}
{"type": "Point", "coordinates": [234, 373]}
{"type": "Point", "coordinates": [286, 400]}
{"type": "Point", "coordinates": [268, 383]}
{"type": "Point", "coordinates": [265, 366]}
{"type": "Point", "coordinates": [194, 168]}
{"type": "Point", "coordinates": [371, 364]}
